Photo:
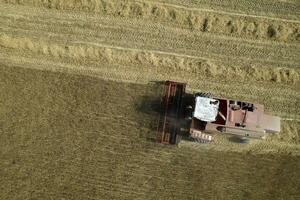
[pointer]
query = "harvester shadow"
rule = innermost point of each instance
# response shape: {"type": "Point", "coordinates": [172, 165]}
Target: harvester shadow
{"type": "Point", "coordinates": [150, 103]}
{"type": "Point", "coordinates": [149, 106]}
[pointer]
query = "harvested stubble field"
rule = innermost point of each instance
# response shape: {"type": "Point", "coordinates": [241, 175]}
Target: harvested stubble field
{"type": "Point", "coordinates": [78, 110]}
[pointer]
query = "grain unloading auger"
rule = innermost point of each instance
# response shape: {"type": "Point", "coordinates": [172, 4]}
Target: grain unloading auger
{"type": "Point", "coordinates": [204, 115]}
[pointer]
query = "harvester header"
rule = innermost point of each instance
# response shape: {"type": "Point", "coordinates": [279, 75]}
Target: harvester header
{"type": "Point", "coordinates": [171, 112]}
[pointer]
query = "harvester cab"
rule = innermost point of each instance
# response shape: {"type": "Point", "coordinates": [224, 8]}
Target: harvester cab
{"type": "Point", "coordinates": [204, 115]}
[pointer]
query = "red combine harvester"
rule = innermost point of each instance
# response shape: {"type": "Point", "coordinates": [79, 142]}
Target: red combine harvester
{"type": "Point", "coordinates": [203, 116]}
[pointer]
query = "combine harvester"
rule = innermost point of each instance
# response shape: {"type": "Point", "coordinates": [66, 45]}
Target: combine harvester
{"type": "Point", "coordinates": [203, 115]}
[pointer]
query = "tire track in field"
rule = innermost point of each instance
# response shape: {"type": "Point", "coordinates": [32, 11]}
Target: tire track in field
{"type": "Point", "coordinates": [204, 48]}
{"type": "Point", "coordinates": [274, 78]}
{"type": "Point", "coordinates": [220, 11]}
{"type": "Point", "coordinates": [202, 21]}
{"type": "Point", "coordinates": [281, 51]}
{"type": "Point", "coordinates": [205, 45]}
{"type": "Point", "coordinates": [256, 8]}
{"type": "Point", "coordinates": [160, 60]}
{"type": "Point", "coordinates": [123, 29]}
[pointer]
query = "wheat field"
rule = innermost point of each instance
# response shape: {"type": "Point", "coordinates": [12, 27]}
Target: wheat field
{"type": "Point", "coordinates": [79, 99]}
